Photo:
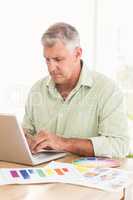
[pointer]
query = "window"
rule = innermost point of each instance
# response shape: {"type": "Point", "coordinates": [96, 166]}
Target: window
{"type": "Point", "coordinates": [114, 47]}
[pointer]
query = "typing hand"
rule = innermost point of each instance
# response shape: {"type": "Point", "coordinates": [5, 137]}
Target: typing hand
{"type": "Point", "coordinates": [46, 140]}
{"type": "Point", "coordinates": [30, 139]}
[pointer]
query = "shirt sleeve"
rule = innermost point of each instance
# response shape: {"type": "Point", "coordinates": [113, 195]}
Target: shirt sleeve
{"type": "Point", "coordinates": [28, 116]}
{"type": "Point", "coordinates": [112, 139]}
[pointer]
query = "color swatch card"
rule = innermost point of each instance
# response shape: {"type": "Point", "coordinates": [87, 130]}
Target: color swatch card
{"type": "Point", "coordinates": [97, 162]}
{"type": "Point", "coordinates": [67, 173]}
{"type": "Point", "coordinates": [58, 173]}
{"type": "Point", "coordinates": [21, 175]}
{"type": "Point", "coordinates": [109, 179]}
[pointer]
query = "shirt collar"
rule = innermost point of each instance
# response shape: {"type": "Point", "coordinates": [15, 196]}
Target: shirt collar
{"type": "Point", "coordinates": [50, 82]}
{"type": "Point", "coordinates": [85, 78]}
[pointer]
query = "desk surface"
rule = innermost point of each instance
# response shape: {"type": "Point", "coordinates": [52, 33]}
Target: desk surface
{"type": "Point", "coordinates": [57, 191]}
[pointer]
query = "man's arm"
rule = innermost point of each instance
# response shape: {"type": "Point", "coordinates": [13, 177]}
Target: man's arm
{"type": "Point", "coordinates": [112, 139]}
{"type": "Point", "coordinates": [45, 140]}
{"type": "Point", "coordinates": [82, 147]}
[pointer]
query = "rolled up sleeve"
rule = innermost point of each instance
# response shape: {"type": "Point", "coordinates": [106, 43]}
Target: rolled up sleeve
{"type": "Point", "coordinates": [28, 116]}
{"type": "Point", "coordinates": [112, 139]}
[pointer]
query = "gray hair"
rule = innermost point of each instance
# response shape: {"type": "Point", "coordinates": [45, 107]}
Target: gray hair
{"type": "Point", "coordinates": [63, 32]}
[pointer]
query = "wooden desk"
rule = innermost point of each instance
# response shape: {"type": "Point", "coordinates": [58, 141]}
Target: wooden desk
{"type": "Point", "coordinates": [128, 165]}
{"type": "Point", "coordinates": [56, 191]}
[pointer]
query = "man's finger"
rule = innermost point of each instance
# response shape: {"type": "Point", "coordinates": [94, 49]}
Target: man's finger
{"type": "Point", "coordinates": [40, 146]}
{"type": "Point", "coordinates": [37, 142]}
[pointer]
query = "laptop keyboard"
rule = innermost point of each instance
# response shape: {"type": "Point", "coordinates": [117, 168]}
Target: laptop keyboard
{"type": "Point", "coordinates": [38, 156]}
{"type": "Point", "coordinates": [41, 155]}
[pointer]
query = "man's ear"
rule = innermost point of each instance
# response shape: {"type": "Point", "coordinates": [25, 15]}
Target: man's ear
{"type": "Point", "coordinates": [78, 53]}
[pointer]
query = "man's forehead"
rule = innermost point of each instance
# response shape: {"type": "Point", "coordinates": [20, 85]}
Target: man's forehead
{"type": "Point", "coordinates": [57, 44]}
{"type": "Point", "coordinates": [55, 52]}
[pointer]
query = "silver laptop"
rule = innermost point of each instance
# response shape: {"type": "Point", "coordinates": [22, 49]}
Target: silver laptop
{"type": "Point", "coordinates": [14, 147]}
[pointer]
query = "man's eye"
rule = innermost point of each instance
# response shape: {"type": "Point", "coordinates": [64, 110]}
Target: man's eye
{"type": "Point", "coordinates": [57, 60]}
{"type": "Point", "coordinates": [47, 60]}
{"type": "Point", "coordinates": [54, 59]}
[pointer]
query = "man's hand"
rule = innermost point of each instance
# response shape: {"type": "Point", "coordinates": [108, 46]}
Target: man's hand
{"type": "Point", "coordinates": [46, 140]}
{"type": "Point", "coordinates": [30, 139]}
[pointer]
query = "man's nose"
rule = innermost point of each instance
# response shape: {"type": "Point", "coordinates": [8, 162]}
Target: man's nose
{"type": "Point", "coordinates": [52, 65]}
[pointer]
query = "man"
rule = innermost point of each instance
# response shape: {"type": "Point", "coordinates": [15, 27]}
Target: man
{"type": "Point", "coordinates": [74, 109]}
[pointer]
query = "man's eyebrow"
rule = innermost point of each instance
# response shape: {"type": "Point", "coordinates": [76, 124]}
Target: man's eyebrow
{"type": "Point", "coordinates": [57, 57]}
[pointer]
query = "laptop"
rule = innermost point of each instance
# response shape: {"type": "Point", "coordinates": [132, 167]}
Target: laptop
{"type": "Point", "coordinates": [14, 146]}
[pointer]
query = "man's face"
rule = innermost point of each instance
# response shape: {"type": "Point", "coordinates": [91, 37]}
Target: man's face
{"type": "Point", "coordinates": [61, 62]}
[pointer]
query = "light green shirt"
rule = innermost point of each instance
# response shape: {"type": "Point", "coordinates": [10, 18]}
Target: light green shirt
{"type": "Point", "coordinates": [93, 110]}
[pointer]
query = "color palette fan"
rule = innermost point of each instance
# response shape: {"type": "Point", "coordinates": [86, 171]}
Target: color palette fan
{"type": "Point", "coordinates": [97, 162]}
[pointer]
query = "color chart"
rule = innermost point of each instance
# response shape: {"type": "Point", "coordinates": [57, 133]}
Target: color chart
{"type": "Point", "coordinates": [97, 162]}
{"type": "Point", "coordinates": [37, 172]}
{"type": "Point", "coordinates": [109, 179]}
{"type": "Point", "coordinates": [50, 173]}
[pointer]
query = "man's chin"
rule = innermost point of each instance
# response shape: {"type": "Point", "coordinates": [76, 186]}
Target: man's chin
{"type": "Point", "coordinates": [58, 80]}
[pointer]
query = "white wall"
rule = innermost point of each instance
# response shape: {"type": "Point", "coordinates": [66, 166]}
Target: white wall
{"type": "Point", "coordinates": [22, 23]}
{"type": "Point", "coordinates": [114, 47]}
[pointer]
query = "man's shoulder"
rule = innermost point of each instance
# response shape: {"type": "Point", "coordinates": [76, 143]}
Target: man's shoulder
{"type": "Point", "coordinates": [106, 89]}
{"type": "Point", "coordinates": [104, 86]}
{"type": "Point", "coordinates": [100, 80]}
{"type": "Point", "coordinates": [38, 85]}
